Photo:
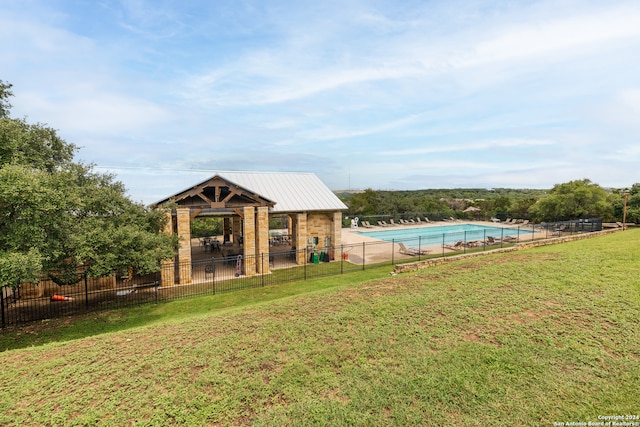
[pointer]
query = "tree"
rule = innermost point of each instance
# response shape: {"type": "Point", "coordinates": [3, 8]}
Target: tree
{"type": "Point", "coordinates": [574, 199]}
{"type": "Point", "coordinates": [633, 204]}
{"type": "Point", "coordinates": [58, 217]}
{"type": "Point", "coordinates": [364, 203]}
{"type": "Point", "coordinates": [5, 94]}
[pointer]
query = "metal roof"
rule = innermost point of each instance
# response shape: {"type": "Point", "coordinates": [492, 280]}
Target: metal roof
{"type": "Point", "coordinates": [292, 191]}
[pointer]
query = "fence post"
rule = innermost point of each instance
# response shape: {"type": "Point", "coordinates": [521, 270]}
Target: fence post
{"type": "Point", "coordinates": [341, 258]}
{"type": "Point", "coordinates": [393, 251]}
{"type": "Point", "coordinates": [86, 291]}
{"type": "Point", "coordinates": [419, 247]}
{"type": "Point", "coordinates": [2, 304]}
{"type": "Point", "coordinates": [306, 261]}
{"type": "Point", "coordinates": [262, 268]}
{"type": "Point", "coordinates": [363, 261]}
{"type": "Point", "coordinates": [213, 273]}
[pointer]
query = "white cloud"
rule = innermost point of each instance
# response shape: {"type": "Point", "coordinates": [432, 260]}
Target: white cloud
{"type": "Point", "coordinates": [568, 35]}
{"type": "Point", "coordinates": [472, 92]}
{"type": "Point", "coordinates": [473, 146]}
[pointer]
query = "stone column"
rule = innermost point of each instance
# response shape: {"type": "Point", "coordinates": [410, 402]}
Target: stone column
{"type": "Point", "coordinates": [336, 235]}
{"type": "Point", "coordinates": [262, 240]}
{"type": "Point", "coordinates": [226, 229]}
{"type": "Point", "coordinates": [167, 267]}
{"type": "Point", "coordinates": [293, 226]}
{"type": "Point", "coordinates": [237, 229]}
{"type": "Point", "coordinates": [249, 235]}
{"type": "Point", "coordinates": [301, 238]}
{"type": "Point", "coordinates": [184, 251]}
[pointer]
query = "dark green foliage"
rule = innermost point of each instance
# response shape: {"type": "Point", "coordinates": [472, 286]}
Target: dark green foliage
{"type": "Point", "coordinates": [574, 199]}
{"type": "Point", "coordinates": [206, 226]}
{"type": "Point", "coordinates": [5, 94]}
{"type": "Point", "coordinates": [444, 201]}
{"type": "Point", "coordinates": [59, 218]}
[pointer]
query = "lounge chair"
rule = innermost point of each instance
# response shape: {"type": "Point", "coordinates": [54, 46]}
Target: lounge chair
{"type": "Point", "coordinates": [392, 223]}
{"type": "Point", "coordinates": [426, 219]}
{"type": "Point", "coordinates": [383, 224]}
{"type": "Point", "coordinates": [507, 221]}
{"type": "Point", "coordinates": [403, 222]}
{"type": "Point", "coordinates": [366, 224]}
{"type": "Point", "coordinates": [558, 231]}
{"type": "Point", "coordinates": [525, 222]}
{"type": "Point", "coordinates": [418, 220]}
{"type": "Point", "coordinates": [412, 251]}
{"type": "Point", "coordinates": [493, 241]}
{"type": "Point", "coordinates": [473, 244]}
{"type": "Point", "coordinates": [457, 246]}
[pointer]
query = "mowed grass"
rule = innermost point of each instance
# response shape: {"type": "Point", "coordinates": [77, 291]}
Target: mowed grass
{"type": "Point", "coordinates": [531, 337]}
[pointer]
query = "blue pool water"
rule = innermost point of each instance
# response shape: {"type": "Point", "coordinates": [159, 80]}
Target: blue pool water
{"type": "Point", "coordinates": [427, 236]}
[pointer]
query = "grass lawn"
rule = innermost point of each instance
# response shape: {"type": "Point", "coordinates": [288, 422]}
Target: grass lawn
{"type": "Point", "coordinates": [532, 337]}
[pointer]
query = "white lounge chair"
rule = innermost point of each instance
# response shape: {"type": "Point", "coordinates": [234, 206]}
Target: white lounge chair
{"type": "Point", "coordinates": [412, 251]}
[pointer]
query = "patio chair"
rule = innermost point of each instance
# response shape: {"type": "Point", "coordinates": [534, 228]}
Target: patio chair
{"type": "Point", "coordinates": [473, 244]}
{"type": "Point", "coordinates": [457, 246]}
{"type": "Point", "coordinates": [412, 251]}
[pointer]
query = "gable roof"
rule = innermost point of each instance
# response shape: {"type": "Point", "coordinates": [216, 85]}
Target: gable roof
{"type": "Point", "coordinates": [290, 191]}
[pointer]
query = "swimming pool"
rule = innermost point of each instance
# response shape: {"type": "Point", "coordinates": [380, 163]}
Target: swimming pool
{"type": "Point", "coordinates": [445, 234]}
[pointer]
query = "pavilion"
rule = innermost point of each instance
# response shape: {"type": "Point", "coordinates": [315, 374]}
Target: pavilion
{"type": "Point", "coordinates": [245, 201]}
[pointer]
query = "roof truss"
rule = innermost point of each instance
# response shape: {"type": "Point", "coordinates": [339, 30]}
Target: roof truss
{"type": "Point", "coordinates": [218, 193]}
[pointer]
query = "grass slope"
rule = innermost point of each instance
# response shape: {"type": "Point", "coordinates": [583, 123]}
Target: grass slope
{"type": "Point", "coordinates": [531, 337]}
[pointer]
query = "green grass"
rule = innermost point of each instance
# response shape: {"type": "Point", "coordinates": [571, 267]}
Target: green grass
{"type": "Point", "coordinates": [531, 337]}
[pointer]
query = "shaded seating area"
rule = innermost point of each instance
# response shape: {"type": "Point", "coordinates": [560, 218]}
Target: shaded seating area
{"type": "Point", "coordinates": [244, 202]}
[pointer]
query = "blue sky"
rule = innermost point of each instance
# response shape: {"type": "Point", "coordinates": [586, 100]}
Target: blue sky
{"type": "Point", "coordinates": [366, 94]}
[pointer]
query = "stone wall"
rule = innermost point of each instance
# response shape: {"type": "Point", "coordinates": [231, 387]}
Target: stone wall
{"type": "Point", "coordinates": [322, 225]}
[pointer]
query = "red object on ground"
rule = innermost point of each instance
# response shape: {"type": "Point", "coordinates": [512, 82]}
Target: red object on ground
{"type": "Point", "coordinates": [60, 298]}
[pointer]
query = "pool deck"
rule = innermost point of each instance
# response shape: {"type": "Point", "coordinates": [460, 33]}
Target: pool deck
{"type": "Point", "coordinates": [352, 236]}
{"type": "Point", "coordinates": [380, 253]}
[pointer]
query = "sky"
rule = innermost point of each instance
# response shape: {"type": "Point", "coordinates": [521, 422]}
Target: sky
{"type": "Point", "coordinates": [380, 94]}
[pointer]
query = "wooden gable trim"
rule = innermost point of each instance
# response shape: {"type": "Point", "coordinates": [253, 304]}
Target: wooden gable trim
{"type": "Point", "coordinates": [220, 194]}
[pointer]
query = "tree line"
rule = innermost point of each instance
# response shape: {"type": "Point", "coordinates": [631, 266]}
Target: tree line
{"type": "Point", "coordinates": [571, 200]}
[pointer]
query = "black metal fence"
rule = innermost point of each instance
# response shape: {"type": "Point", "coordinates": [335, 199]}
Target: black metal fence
{"type": "Point", "coordinates": [31, 302]}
